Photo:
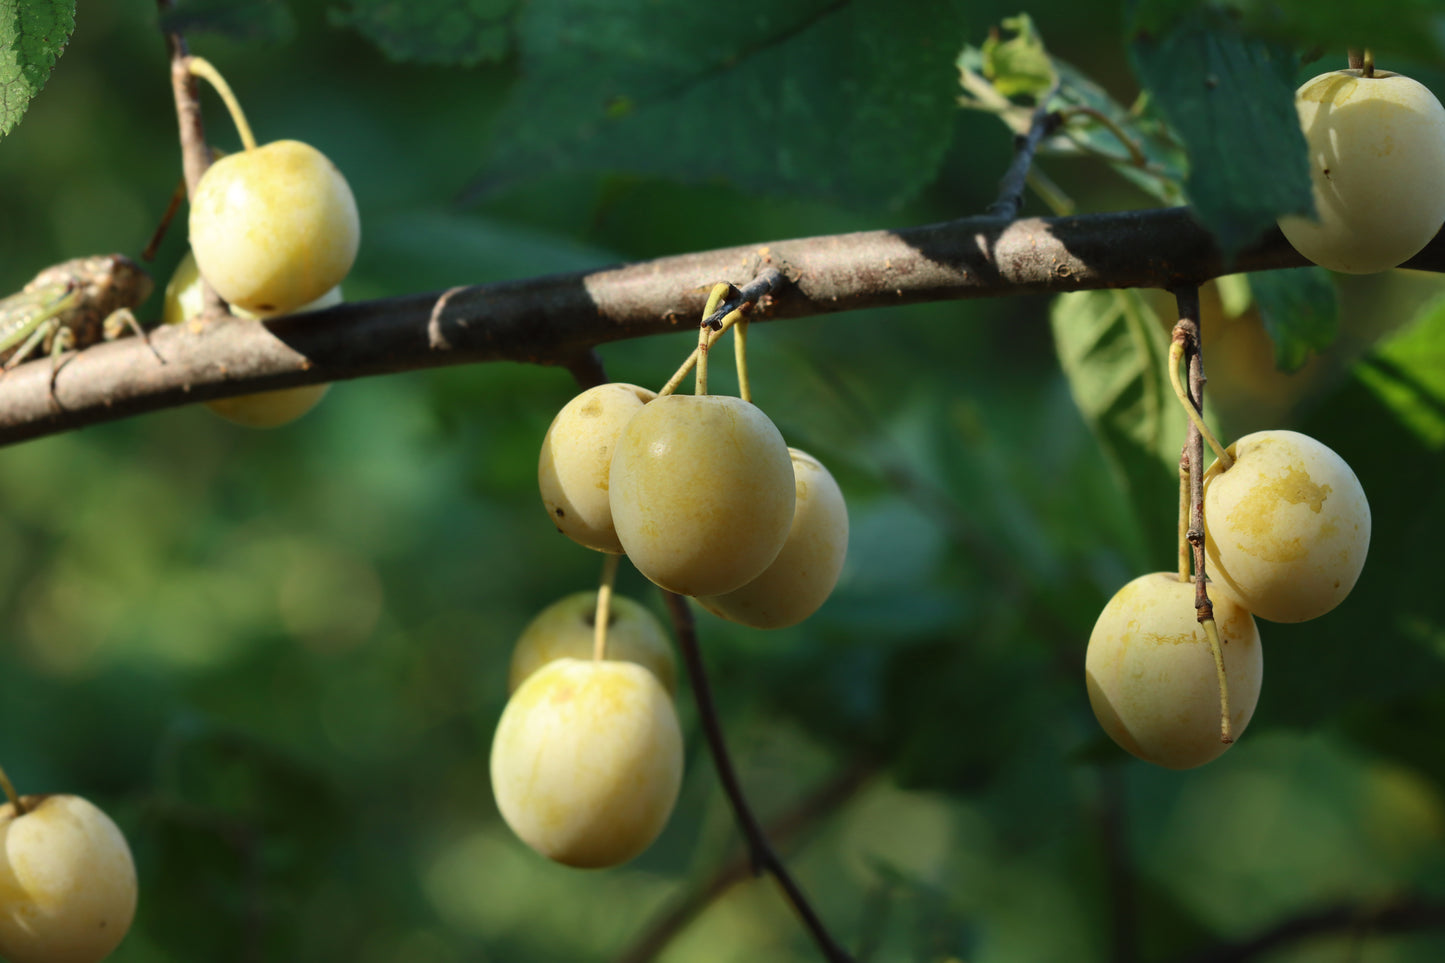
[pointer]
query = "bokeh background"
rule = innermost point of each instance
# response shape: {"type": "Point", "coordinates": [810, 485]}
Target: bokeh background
{"type": "Point", "coordinates": [277, 657]}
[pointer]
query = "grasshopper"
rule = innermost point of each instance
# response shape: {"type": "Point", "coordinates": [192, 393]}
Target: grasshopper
{"type": "Point", "coordinates": [72, 305]}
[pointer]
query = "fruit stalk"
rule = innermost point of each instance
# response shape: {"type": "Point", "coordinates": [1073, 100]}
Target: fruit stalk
{"type": "Point", "coordinates": [603, 615]}
{"type": "Point", "coordinates": [740, 354]}
{"type": "Point", "coordinates": [201, 67]}
{"type": "Point", "coordinates": [1186, 344]}
{"type": "Point", "coordinates": [11, 794]}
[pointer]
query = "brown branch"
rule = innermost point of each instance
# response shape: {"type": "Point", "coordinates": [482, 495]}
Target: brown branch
{"type": "Point", "coordinates": [1188, 331]}
{"type": "Point", "coordinates": [1398, 916]}
{"type": "Point", "coordinates": [675, 918]}
{"type": "Point", "coordinates": [1011, 188]}
{"type": "Point", "coordinates": [764, 857]}
{"type": "Point", "coordinates": [195, 152]}
{"type": "Point", "coordinates": [551, 319]}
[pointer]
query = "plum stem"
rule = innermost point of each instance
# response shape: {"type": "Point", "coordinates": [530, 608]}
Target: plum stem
{"type": "Point", "coordinates": [11, 794]}
{"type": "Point", "coordinates": [603, 614]}
{"type": "Point", "coordinates": [201, 67]}
{"type": "Point", "coordinates": [740, 354]}
{"type": "Point", "coordinates": [723, 313]}
{"type": "Point", "coordinates": [1176, 354]}
{"type": "Point", "coordinates": [1211, 630]}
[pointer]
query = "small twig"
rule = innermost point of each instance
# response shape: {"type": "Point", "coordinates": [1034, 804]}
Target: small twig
{"type": "Point", "coordinates": [11, 795]}
{"type": "Point", "coordinates": [816, 805]}
{"type": "Point", "coordinates": [1136, 153]}
{"type": "Point", "coordinates": [755, 290]}
{"type": "Point", "coordinates": [195, 153]}
{"type": "Point", "coordinates": [587, 369]}
{"type": "Point", "coordinates": [1187, 333]}
{"type": "Point", "coordinates": [1011, 188]}
{"type": "Point", "coordinates": [1403, 915]}
{"type": "Point", "coordinates": [764, 858]}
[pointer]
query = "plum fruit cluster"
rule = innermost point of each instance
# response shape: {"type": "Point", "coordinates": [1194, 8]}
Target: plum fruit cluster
{"type": "Point", "coordinates": [705, 497]}
{"type": "Point", "coordinates": [1287, 528]}
{"type": "Point", "coordinates": [1376, 148]}
{"type": "Point", "coordinates": [702, 493]}
{"type": "Point", "coordinates": [67, 881]}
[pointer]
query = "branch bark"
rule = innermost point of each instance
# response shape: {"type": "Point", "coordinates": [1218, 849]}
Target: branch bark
{"type": "Point", "coordinates": [556, 318]}
{"type": "Point", "coordinates": [1405, 915]}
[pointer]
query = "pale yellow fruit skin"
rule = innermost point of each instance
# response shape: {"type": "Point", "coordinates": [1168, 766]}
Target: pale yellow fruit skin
{"type": "Point", "coordinates": [1287, 527]}
{"type": "Point", "coordinates": [587, 761]}
{"type": "Point", "coordinates": [564, 629]}
{"type": "Point", "coordinates": [572, 470]}
{"type": "Point", "coordinates": [803, 575]}
{"type": "Point", "coordinates": [274, 227]}
{"type": "Point", "coordinates": [67, 882]}
{"type": "Point", "coordinates": [264, 409]}
{"type": "Point", "coordinates": [1377, 150]}
{"type": "Point", "coordinates": [1151, 676]}
{"type": "Point", "coordinates": [702, 493]}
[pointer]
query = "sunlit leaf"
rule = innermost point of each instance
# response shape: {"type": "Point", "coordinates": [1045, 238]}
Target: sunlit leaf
{"type": "Point", "coordinates": [1113, 350]}
{"type": "Point", "coordinates": [33, 35]}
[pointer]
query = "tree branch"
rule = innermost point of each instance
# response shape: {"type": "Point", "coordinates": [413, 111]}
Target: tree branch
{"type": "Point", "coordinates": [1011, 188]}
{"type": "Point", "coordinates": [1399, 916]}
{"type": "Point", "coordinates": [673, 920]}
{"type": "Point", "coordinates": [764, 857]}
{"type": "Point", "coordinates": [553, 319]}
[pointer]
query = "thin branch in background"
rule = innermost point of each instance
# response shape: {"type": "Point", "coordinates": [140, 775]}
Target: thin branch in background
{"type": "Point", "coordinates": [1011, 188]}
{"type": "Point", "coordinates": [1403, 915]}
{"type": "Point", "coordinates": [764, 857]}
{"type": "Point", "coordinates": [817, 805]}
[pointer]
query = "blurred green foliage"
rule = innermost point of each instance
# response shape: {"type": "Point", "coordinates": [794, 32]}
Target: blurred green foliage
{"type": "Point", "coordinates": [277, 657]}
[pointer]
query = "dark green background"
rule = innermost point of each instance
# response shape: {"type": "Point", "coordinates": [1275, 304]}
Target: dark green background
{"type": "Point", "coordinates": [277, 657]}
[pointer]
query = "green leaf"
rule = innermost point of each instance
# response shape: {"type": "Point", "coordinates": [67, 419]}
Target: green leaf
{"type": "Point", "coordinates": [1113, 350]}
{"type": "Point", "coordinates": [434, 31]}
{"type": "Point", "coordinates": [850, 102]}
{"type": "Point", "coordinates": [1299, 310]}
{"type": "Point", "coordinates": [1019, 65]}
{"type": "Point", "coordinates": [263, 21]}
{"type": "Point", "coordinates": [1407, 373]}
{"type": "Point", "coordinates": [1403, 27]}
{"type": "Point", "coordinates": [1135, 141]}
{"type": "Point", "coordinates": [1230, 98]}
{"type": "Point", "coordinates": [33, 35]}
